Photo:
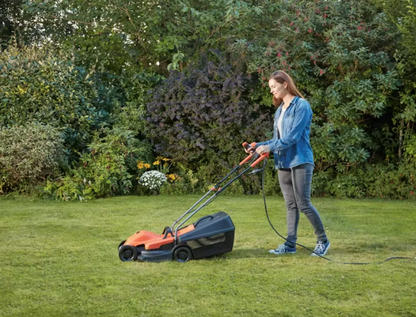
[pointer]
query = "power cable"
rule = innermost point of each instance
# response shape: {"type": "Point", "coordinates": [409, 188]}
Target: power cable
{"type": "Point", "coordinates": [323, 257]}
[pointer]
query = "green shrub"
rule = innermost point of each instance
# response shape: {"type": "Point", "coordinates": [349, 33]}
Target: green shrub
{"type": "Point", "coordinates": [410, 150]}
{"type": "Point", "coordinates": [174, 189]}
{"type": "Point", "coordinates": [201, 116]}
{"type": "Point", "coordinates": [179, 186]}
{"type": "Point", "coordinates": [344, 185]}
{"type": "Point", "coordinates": [106, 170]}
{"type": "Point", "coordinates": [391, 181]}
{"type": "Point", "coordinates": [44, 85]}
{"type": "Point", "coordinates": [132, 113]}
{"type": "Point", "coordinates": [371, 181]}
{"type": "Point", "coordinates": [181, 182]}
{"type": "Point", "coordinates": [29, 154]}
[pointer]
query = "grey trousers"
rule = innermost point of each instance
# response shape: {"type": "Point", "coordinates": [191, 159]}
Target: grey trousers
{"type": "Point", "coordinates": [295, 184]}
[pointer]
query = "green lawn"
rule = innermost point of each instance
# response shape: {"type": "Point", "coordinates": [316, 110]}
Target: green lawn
{"type": "Point", "coordinates": [61, 259]}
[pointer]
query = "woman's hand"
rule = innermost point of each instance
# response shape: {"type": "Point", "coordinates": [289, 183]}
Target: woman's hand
{"type": "Point", "coordinates": [263, 149]}
{"type": "Point", "coordinates": [250, 148]}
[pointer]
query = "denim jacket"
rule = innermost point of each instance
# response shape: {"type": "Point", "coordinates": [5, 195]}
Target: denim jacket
{"type": "Point", "coordinates": [293, 148]}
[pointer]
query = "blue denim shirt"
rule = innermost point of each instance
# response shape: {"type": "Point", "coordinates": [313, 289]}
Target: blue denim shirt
{"type": "Point", "coordinates": [293, 148]}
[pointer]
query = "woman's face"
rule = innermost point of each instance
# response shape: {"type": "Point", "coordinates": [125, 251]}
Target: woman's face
{"type": "Point", "coordinates": [277, 89]}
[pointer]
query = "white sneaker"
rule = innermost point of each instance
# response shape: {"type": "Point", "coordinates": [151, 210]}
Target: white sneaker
{"type": "Point", "coordinates": [321, 248]}
{"type": "Point", "coordinates": [283, 249]}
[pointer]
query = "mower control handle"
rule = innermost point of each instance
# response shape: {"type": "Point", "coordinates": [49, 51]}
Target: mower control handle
{"type": "Point", "coordinates": [249, 147]}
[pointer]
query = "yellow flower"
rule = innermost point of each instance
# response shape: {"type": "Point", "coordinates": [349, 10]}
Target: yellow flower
{"type": "Point", "coordinates": [173, 177]}
{"type": "Point", "coordinates": [161, 158]}
{"type": "Point", "coordinates": [146, 166]}
{"type": "Point", "coordinates": [156, 162]}
{"type": "Point", "coordinates": [139, 164]}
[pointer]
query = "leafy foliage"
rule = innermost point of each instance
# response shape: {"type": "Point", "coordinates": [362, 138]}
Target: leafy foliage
{"type": "Point", "coordinates": [29, 155]}
{"type": "Point", "coordinates": [45, 86]}
{"type": "Point", "coordinates": [354, 61]}
{"type": "Point", "coordinates": [105, 171]}
{"type": "Point", "coordinates": [117, 35]}
{"type": "Point", "coordinates": [404, 115]}
{"type": "Point", "coordinates": [131, 112]}
{"type": "Point", "coordinates": [411, 148]}
{"type": "Point", "coordinates": [372, 181]}
{"type": "Point", "coordinates": [202, 116]}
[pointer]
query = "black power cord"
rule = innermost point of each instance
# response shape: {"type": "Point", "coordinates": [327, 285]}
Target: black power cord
{"type": "Point", "coordinates": [323, 257]}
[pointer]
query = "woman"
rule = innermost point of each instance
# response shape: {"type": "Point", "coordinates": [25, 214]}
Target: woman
{"type": "Point", "coordinates": [294, 160]}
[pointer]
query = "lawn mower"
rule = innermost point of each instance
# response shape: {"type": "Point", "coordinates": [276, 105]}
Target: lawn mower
{"type": "Point", "coordinates": [208, 236]}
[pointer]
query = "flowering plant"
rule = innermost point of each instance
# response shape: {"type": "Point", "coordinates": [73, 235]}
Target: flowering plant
{"type": "Point", "coordinates": [162, 164]}
{"type": "Point", "coordinates": [152, 180]}
{"type": "Point", "coordinates": [173, 178]}
{"type": "Point", "coordinates": [141, 165]}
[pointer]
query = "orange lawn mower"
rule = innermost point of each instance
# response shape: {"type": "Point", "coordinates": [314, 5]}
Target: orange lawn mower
{"type": "Point", "coordinates": [208, 236]}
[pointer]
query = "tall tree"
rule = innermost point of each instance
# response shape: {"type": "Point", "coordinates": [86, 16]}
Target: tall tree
{"type": "Point", "coordinates": [120, 34]}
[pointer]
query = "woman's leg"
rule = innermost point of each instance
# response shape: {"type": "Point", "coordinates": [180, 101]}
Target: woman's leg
{"type": "Point", "coordinates": [302, 180]}
{"type": "Point", "coordinates": [292, 213]}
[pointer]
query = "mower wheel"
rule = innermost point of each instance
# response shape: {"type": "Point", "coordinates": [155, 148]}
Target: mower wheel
{"type": "Point", "coordinates": [122, 242]}
{"type": "Point", "coordinates": [127, 253]}
{"type": "Point", "coordinates": [182, 254]}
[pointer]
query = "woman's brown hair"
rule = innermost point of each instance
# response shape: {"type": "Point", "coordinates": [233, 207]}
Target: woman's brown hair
{"type": "Point", "coordinates": [282, 77]}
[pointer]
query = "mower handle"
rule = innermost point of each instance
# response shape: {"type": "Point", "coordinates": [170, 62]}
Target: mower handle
{"type": "Point", "coordinates": [252, 153]}
{"type": "Point", "coordinates": [261, 158]}
{"type": "Point", "coordinates": [254, 159]}
{"type": "Point", "coordinates": [247, 147]}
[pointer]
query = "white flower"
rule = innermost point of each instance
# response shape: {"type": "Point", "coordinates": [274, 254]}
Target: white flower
{"type": "Point", "coordinates": [152, 180]}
